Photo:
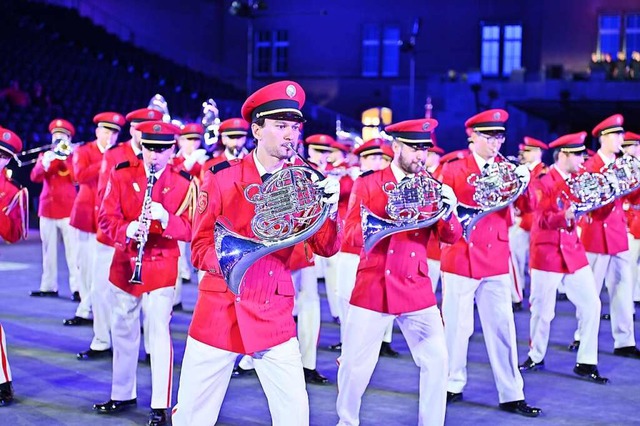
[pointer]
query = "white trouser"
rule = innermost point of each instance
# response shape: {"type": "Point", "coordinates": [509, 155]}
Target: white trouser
{"type": "Point", "coordinates": [306, 286]}
{"type": "Point", "coordinates": [634, 252]}
{"type": "Point", "coordinates": [101, 297]}
{"type": "Point", "coordinates": [347, 267]}
{"type": "Point", "coordinates": [125, 330]}
{"type": "Point", "coordinates": [177, 298]}
{"type": "Point", "coordinates": [493, 298]}
{"type": "Point", "coordinates": [205, 376]}
{"type": "Point", "coordinates": [86, 251]}
{"type": "Point", "coordinates": [145, 323]}
{"type": "Point", "coordinates": [434, 273]}
{"type": "Point", "coordinates": [5, 370]}
{"type": "Point", "coordinates": [519, 241]}
{"type": "Point", "coordinates": [330, 283]}
{"type": "Point", "coordinates": [614, 271]}
{"type": "Point", "coordinates": [360, 351]}
{"type": "Point", "coordinates": [49, 229]}
{"type": "Point", "coordinates": [184, 263]}
{"type": "Point", "coordinates": [581, 291]}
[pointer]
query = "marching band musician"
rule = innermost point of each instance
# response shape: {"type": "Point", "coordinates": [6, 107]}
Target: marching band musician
{"type": "Point", "coordinates": [259, 321]}
{"type": "Point", "coordinates": [127, 216]}
{"type": "Point", "coordinates": [479, 269]}
{"type": "Point", "coordinates": [55, 173]}
{"type": "Point", "coordinates": [393, 283]}
{"type": "Point", "coordinates": [557, 255]}
{"type": "Point", "coordinates": [87, 161]}
{"type": "Point", "coordinates": [604, 238]}
{"type": "Point", "coordinates": [13, 216]}
{"type": "Point", "coordinates": [631, 146]}
{"type": "Point", "coordinates": [519, 238]}
{"type": "Point", "coordinates": [233, 136]}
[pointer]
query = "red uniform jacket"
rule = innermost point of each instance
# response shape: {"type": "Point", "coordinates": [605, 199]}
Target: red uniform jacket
{"type": "Point", "coordinates": [393, 278]}
{"type": "Point", "coordinates": [86, 168]}
{"type": "Point", "coordinates": [10, 221]}
{"type": "Point", "coordinates": [555, 245]}
{"type": "Point", "coordinates": [633, 213]}
{"type": "Point", "coordinates": [526, 221]}
{"type": "Point", "coordinates": [487, 252]}
{"type": "Point", "coordinates": [604, 230]}
{"type": "Point", "coordinates": [122, 204]}
{"type": "Point", "coordinates": [58, 188]}
{"type": "Point", "coordinates": [112, 157]}
{"type": "Point", "coordinates": [261, 317]}
{"type": "Point", "coordinates": [210, 163]}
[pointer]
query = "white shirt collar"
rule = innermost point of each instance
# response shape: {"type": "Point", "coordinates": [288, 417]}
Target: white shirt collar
{"type": "Point", "coordinates": [135, 149]}
{"type": "Point", "coordinates": [562, 174]}
{"type": "Point", "coordinates": [481, 161]}
{"type": "Point", "coordinates": [398, 173]}
{"type": "Point", "coordinates": [533, 165]}
{"type": "Point", "coordinates": [606, 160]}
{"type": "Point", "coordinates": [156, 174]}
{"type": "Point", "coordinates": [261, 169]}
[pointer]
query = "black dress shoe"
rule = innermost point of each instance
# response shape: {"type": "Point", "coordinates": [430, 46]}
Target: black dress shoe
{"type": "Point", "coordinates": [112, 407]}
{"type": "Point", "coordinates": [561, 297]}
{"type": "Point", "coordinates": [590, 372]}
{"type": "Point", "coordinates": [388, 351]}
{"type": "Point", "coordinates": [605, 317]}
{"type": "Point", "coordinates": [520, 407]}
{"type": "Point", "coordinates": [157, 417]}
{"type": "Point", "coordinates": [314, 378]}
{"type": "Point", "coordinates": [44, 293]}
{"type": "Point", "coordinates": [77, 321]}
{"type": "Point", "coordinates": [530, 365]}
{"type": "Point", "coordinates": [517, 307]}
{"type": "Point", "coordinates": [93, 354]}
{"type": "Point", "coordinates": [146, 360]}
{"type": "Point", "coordinates": [454, 397]}
{"type": "Point", "coordinates": [627, 352]}
{"type": "Point", "coordinates": [185, 280]}
{"type": "Point", "coordinates": [76, 296]}
{"type": "Point", "coordinates": [336, 320]}
{"type": "Point", "coordinates": [6, 394]}
{"type": "Point", "coordinates": [241, 372]}
{"type": "Point", "coordinates": [336, 348]}
{"type": "Point", "coordinates": [574, 346]}
{"type": "Point", "coordinates": [178, 307]}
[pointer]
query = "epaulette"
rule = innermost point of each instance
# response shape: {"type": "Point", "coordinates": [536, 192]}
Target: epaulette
{"type": "Point", "coordinates": [225, 164]}
{"type": "Point", "coordinates": [123, 165]}
{"type": "Point", "coordinates": [367, 173]}
{"type": "Point", "coordinates": [185, 174]}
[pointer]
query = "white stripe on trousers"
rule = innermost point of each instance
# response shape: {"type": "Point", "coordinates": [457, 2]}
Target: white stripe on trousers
{"type": "Point", "coordinates": [424, 333]}
{"type": "Point", "coordinates": [493, 299]}
{"type": "Point", "coordinates": [125, 331]}
{"type": "Point", "coordinates": [580, 288]}
{"type": "Point", "coordinates": [205, 376]}
{"type": "Point", "coordinates": [5, 369]}
{"type": "Point", "coordinates": [102, 297]}
{"type": "Point", "coordinates": [86, 251]}
{"type": "Point", "coordinates": [49, 230]}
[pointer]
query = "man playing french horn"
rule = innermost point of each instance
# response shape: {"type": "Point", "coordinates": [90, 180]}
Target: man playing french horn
{"type": "Point", "coordinates": [477, 267]}
{"type": "Point", "coordinates": [252, 316]}
{"type": "Point", "coordinates": [392, 281]}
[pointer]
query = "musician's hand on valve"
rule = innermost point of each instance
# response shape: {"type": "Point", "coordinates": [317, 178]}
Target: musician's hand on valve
{"type": "Point", "coordinates": [448, 196]}
{"type": "Point", "coordinates": [570, 214]}
{"type": "Point", "coordinates": [158, 212]}
{"type": "Point", "coordinates": [135, 230]}
{"type": "Point", "coordinates": [47, 159]}
{"type": "Point", "coordinates": [331, 189]}
{"type": "Point", "coordinates": [523, 173]}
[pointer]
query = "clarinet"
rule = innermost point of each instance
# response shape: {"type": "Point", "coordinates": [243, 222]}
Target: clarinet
{"type": "Point", "coordinates": [136, 278]}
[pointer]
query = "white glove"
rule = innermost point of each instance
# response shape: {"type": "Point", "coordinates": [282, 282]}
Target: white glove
{"type": "Point", "coordinates": [47, 158]}
{"type": "Point", "coordinates": [331, 189]}
{"type": "Point", "coordinates": [134, 229]}
{"type": "Point", "coordinates": [523, 174]}
{"type": "Point", "coordinates": [158, 212]}
{"type": "Point", "coordinates": [200, 155]}
{"type": "Point", "coordinates": [448, 196]}
{"type": "Point", "coordinates": [189, 162]}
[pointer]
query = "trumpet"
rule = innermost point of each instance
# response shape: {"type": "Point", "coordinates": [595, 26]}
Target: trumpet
{"type": "Point", "coordinates": [496, 187]}
{"type": "Point", "coordinates": [288, 210]}
{"type": "Point", "coordinates": [412, 204]}
{"type": "Point", "coordinates": [61, 149]}
{"type": "Point", "coordinates": [136, 278]}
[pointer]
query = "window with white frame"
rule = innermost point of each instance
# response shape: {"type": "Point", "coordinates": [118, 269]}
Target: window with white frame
{"type": "Point", "coordinates": [609, 34]}
{"type": "Point", "coordinates": [632, 33]}
{"type": "Point", "coordinates": [271, 50]}
{"type": "Point", "coordinates": [380, 50]}
{"type": "Point", "coordinates": [501, 49]}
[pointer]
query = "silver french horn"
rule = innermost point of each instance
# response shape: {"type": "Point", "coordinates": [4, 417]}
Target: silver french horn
{"type": "Point", "coordinates": [624, 173]}
{"type": "Point", "coordinates": [588, 191]}
{"type": "Point", "coordinates": [495, 188]}
{"type": "Point", "coordinates": [288, 210]}
{"type": "Point", "coordinates": [412, 204]}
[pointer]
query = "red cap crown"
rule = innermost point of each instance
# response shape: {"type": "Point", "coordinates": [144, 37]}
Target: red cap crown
{"type": "Point", "coordinates": [370, 147]}
{"type": "Point", "coordinates": [387, 152]}
{"type": "Point", "coordinates": [144, 114]}
{"type": "Point", "coordinates": [10, 142]}
{"type": "Point", "coordinates": [234, 127]}
{"type": "Point", "coordinates": [192, 129]}
{"type": "Point", "coordinates": [573, 142]}
{"type": "Point", "coordinates": [417, 133]}
{"type": "Point", "coordinates": [437, 150]}
{"type": "Point", "coordinates": [611, 124]}
{"type": "Point", "coordinates": [320, 142]}
{"type": "Point", "coordinates": [282, 100]}
{"type": "Point", "coordinates": [158, 132]}
{"type": "Point", "coordinates": [109, 120]}
{"type": "Point", "coordinates": [341, 146]}
{"type": "Point", "coordinates": [454, 156]}
{"type": "Point", "coordinates": [62, 125]}
{"type": "Point", "coordinates": [631, 138]}
{"type": "Point", "coordinates": [534, 143]}
{"type": "Point", "coordinates": [488, 121]}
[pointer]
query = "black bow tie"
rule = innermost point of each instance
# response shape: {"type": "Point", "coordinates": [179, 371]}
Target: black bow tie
{"type": "Point", "coordinates": [265, 176]}
{"type": "Point", "coordinates": [139, 156]}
